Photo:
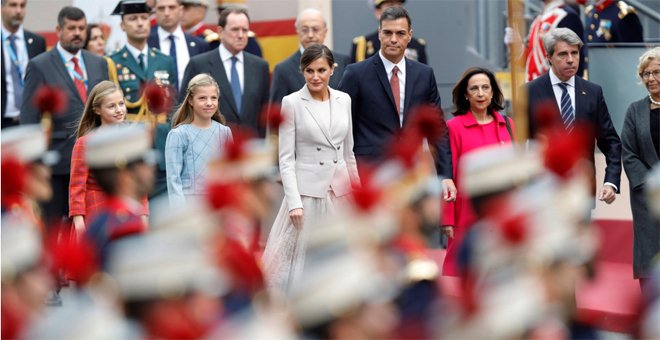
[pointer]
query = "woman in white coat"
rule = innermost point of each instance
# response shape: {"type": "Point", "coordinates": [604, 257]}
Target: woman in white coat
{"type": "Point", "coordinates": [317, 165]}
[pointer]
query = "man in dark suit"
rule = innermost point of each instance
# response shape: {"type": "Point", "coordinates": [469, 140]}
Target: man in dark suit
{"type": "Point", "coordinates": [366, 46]}
{"type": "Point", "coordinates": [168, 36]}
{"type": "Point", "coordinates": [70, 68]}
{"type": "Point", "coordinates": [18, 47]}
{"type": "Point", "coordinates": [287, 77]}
{"type": "Point", "coordinates": [577, 100]}
{"type": "Point", "coordinates": [385, 88]}
{"type": "Point", "coordinates": [243, 78]}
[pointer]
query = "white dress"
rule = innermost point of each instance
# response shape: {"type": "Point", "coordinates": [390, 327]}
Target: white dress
{"type": "Point", "coordinates": [284, 255]}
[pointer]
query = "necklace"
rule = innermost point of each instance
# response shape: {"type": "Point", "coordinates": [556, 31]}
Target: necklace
{"type": "Point", "coordinates": [653, 101]}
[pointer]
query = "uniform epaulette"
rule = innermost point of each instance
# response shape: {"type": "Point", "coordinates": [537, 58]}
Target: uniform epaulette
{"type": "Point", "coordinates": [251, 34]}
{"type": "Point", "coordinates": [421, 41]}
{"type": "Point", "coordinates": [625, 9]}
{"type": "Point", "coordinates": [358, 39]}
{"type": "Point", "coordinates": [210, 35]}
{"type": "Point", "coordinates": [588, 9]}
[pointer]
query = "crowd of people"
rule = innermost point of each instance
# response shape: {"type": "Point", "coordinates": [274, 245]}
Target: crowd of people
{"type": "Point", "coordinates": [135, 186]}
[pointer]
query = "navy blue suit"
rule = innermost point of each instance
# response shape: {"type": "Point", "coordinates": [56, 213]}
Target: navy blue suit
{"type": "Point", "coordinates": [375, 115]}
{"type": "Point", "coordinates": [590, 107]}
{"type": "Point", "coordinates": [196, 45]}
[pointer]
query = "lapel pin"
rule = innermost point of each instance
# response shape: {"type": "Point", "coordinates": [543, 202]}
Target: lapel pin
{"type": "Point", "coordinates": [30, 40]}
{"type": "Point", "coordinates": [584, 93]}
{"type": "Point", "coordinates": [192, 44]}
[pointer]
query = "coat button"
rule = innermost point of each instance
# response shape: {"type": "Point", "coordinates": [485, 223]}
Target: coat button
{"type": "Point", "coordinates": [318, 148]}
{"type": "Point", "coordinates": [320, 163]}
{"type": "Point", "coordinates": [339, 147]}
{"type": "Point", "coordinates": [334, 161]}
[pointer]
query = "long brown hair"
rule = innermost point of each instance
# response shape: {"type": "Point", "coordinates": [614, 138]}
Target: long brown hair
{"type": "Point", "coordinates": [184, 114]}
{"type": "Point", "coordinates": [459, 92]}
{"type": "Point", "coordinates": [90, 120]}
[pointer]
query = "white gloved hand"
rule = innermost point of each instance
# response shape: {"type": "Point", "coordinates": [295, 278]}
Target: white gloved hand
{"type": "Point", "coordinates": [508, 35]}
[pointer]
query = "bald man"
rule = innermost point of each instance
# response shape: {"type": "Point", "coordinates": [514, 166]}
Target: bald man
{"type": "Point", "coordinates": [287, 77]}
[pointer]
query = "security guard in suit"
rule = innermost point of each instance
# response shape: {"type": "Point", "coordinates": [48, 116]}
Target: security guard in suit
{"type": "Point", "coordinates": [137, 64]}
{"type": "Point", "coordinates": [366, 46]}
{"type": "Point", "coordinates": [610, 21]}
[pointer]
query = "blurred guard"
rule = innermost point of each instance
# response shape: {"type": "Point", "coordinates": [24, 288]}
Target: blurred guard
{"type": "Point", "coordinates": [366, 46]}
{"type": "Point", "coordinates": [610, 21]}
{"type": "Point", "coordinates": [252, 45]}
{"type": "Point", "coordinates": [136, 65]}
{"type": "Point", "coordinates": [121, 160]}
{"type": "Point", "coordinates": [192, 21]}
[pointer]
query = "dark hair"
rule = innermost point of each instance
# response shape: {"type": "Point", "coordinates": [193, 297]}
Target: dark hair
{"type": "Point", "coordinates": [108, 178]}
{"type": "Point", "coordinates": [222, 21]}
{"type": "Point", "coordinates": [90, 27]}
{"type": "Point", "coordinates": [394, 13]}
{"type": "Point", "coordinates": [71, 13]}
{"type": "Point", "coordinates": [314, 52]}
{"type": "Point", "coordinates": [462, 105]}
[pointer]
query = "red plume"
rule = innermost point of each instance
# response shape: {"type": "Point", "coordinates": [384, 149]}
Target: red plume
{"type": "Point", "coordinates": [271, 117]}
{"type": "Point", "coordinates": [428, 121]}
{"type": "Point", "coordinates": [72, 255]}
{"type": "Point", "coordinates": [50, 99]}
{"type": "Point", "coordinates": [548, 116]}
{"type": "Point", "coordinates": [564, 150]}
{"type": "Point", "coordinates": [406, 147]}
{"type": "Point", "coordinates": [368, 194]}
{"type": "Point", "coordinates": [158, 98]}
{"type": "Point", "coordinates": [221, 195]}
{"type": "Point", "coordinates": [235, 149]}
{"type": "Point", "coordinates": [513, 226]}
{"type": "Point", "coordinates": [13, 181]}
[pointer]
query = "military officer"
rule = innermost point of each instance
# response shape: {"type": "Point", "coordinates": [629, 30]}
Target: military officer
{"type": "Point", "coordinates": [366, 46]}
{"type": "Point", "coordinates": [192, 21]}
{"type": "Point", "coordinates": [610, 21]}
{"type": "Point", "coordinates": [137, 64]}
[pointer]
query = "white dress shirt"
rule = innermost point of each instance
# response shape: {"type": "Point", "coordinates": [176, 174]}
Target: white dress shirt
{"type": "Point", "coordinates": [225, 56]}
{"type": "Point", "coordinates": [389, 66]}
{"type": "Point", "coordinates": [182, 55]}
{"type": "Point", "coordinates": [13, 109]}
{"type": "Point", "coordinates": [66, 56]}
{"type": "Point", "coordinates": [136, 53]}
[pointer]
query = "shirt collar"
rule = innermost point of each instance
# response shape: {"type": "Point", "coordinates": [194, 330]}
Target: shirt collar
{"type": "Point", "coordinates": [19, 32]}
{"type": "Point", "coordinates": [135, 52]}
{"type": "Point", "coordinates": [390, 65]}
{"type": "Point", "coordinates": [66, 54]}
{"type": "Point", "coordinates": [554, 80]}
{"type": "Point", "coordinates": [178, 33]}
{"type": "Point", "coordinates": [226, 55]}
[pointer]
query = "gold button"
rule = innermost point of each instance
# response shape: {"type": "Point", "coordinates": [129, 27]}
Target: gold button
{"type": "Point", "coordinates": [595, 15]}
{"type": "Point", "coordinates": [590, 37]}
{"type": "Point", "coordinates": [592, 26]}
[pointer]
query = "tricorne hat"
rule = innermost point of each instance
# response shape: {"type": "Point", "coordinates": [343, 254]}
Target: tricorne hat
{"type": "Point", "coordinates": [28, 143]}
{"type": "Point", "coordinates": [131, 7]}
{"type": "Point", "coordinates": [118, 145]}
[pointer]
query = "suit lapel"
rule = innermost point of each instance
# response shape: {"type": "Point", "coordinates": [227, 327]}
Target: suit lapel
{"type": "Point", "coordinates": [307, 100]}
{"type": "Point", "coordinates": [410, 80]}
{"type": "Point", "coordinates": [382, 77]}
{"type": "Point", "coordinates": [220, 75]}
{"type": "Point", "coordinates": [581, 95]}
{"type": "Point", "coordinates": [644, 119]}
{"type": "Point", "coordinates": [31, 47]}
{"type": "Point", "coordinates": [58, 65]}
{"type": "Point", "coordinates": [153, 40]}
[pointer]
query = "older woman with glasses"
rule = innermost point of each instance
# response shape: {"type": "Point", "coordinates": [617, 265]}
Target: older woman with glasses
{"type": "Point", "coordinates": [477, 98]}
{"type": "Point", "coordinates": [641, 151]}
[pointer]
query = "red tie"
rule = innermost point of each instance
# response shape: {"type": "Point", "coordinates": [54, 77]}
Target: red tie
{"type": "Point", "coordinates": [394, 83]}
{"type": "Point", "coordinates": [78, 79]}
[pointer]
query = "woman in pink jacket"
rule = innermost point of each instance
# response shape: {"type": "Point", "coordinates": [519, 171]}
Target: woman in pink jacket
{"type": "Point", "coordinates": [477, 98]}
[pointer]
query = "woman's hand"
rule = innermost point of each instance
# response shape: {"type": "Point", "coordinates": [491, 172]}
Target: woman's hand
{"type": "Point", "coordinates": [297, 217]}
{"type": "Point", "coordinates": [447, 230]}
{"type": "Point", "coordinates": [79, 225]}
{"type": "Point", "coordinates": [448, 190]}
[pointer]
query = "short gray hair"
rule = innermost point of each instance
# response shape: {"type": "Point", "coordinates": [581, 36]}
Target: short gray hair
{"type": "Point", "coordinates": [310, 11]}
{"type": "Point", "coordinates": [647, 58]}
{"type": "Point", "coordinates": [560, 34]}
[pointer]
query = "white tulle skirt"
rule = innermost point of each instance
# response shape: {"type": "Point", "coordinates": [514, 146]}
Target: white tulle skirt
{"type": "Point", "coordinates": [284, 256]}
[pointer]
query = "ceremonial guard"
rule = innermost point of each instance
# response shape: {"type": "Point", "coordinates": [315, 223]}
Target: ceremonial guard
{"type": "Point", "coordinates": [192, 21]}
{"type": "Point", "coordinates": [610, 21]}
{"type": "Point", "coordinates": [366, 46]}
{"type": "Point", "coordinates": [137, 65]}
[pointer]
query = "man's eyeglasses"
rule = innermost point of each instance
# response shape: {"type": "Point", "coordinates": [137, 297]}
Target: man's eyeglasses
{"type": "Point", "coordinates": [647, 74]}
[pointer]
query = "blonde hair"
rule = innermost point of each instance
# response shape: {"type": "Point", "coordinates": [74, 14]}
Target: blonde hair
{"type": "Point", "coordinates": [646, 59]}
{"type": "Point", "coordinates": [89, 120]}
{"type": "Point", "coordinates": [184, 114]}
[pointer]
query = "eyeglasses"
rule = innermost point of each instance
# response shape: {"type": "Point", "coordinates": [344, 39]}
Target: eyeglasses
{"type": "Point", "coordinates": [647, 74]}
{"type": "Point", "coordinates": [315, 30]}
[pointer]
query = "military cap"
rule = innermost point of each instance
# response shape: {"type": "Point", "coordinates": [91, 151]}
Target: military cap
{"type": "Point", "coordinates": [378, 3]}
{"type": "Point", "coordinates": [21, 247]}
{"type": "Point", "coordinates": [117, 146]}
{"type": "Point", "coordinates": [257, 159]}
{"type": "Point", "coordinates": [131, 7]}
{"type": "Point", "coordinates": [28, 143]}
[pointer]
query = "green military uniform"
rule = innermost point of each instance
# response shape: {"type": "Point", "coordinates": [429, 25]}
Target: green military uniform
{"type": "Point", "coordinates": [132, 78]}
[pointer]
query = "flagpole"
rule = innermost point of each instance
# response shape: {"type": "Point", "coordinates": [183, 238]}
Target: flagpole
{"type": "Point", "coordinates": [516, 20]}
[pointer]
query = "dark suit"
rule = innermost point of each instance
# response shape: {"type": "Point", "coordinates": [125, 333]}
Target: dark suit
{"type": "Point", "coordinates": [287, 77]}
{"type": "Point", "coordinates": [35, 45]}
{"type": "Point", "coordinates": [255, 87]}
{"type": "Point", "coordinates": [49, 69]}
{"type": "Point", "coordinates": [375, 116]}
{"type": "Point", "coordinates": [196, 45]}
{"type": "Point", "coordinates": [590, 107]}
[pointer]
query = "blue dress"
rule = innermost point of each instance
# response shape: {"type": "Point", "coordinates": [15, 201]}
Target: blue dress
{"type": "Point", "coordinates": [188, 150]}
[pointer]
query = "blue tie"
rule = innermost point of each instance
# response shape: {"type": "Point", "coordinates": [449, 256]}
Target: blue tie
{"type": "Point", "coordinates": [16, 77]}
{"type": "Point", "coordinates": [236, 85]}
{"type": "Point", "coordinates": [567, 112]}
{"type": "Point", "coordinates": [173, 55]}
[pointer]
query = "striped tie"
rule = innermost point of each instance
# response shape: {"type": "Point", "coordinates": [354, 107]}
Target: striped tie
{"type": "Point", "coordinates": [567, 112]}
